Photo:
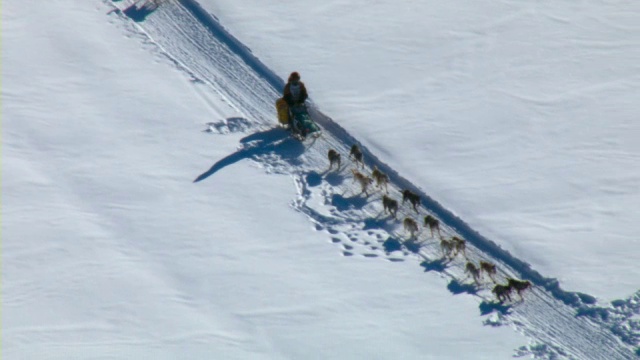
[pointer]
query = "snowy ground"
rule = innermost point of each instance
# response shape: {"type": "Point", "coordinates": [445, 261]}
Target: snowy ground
{"type": "Point", "coordinates": [520, 117]}
{"type": "Point", "coordinates": [150, 209]}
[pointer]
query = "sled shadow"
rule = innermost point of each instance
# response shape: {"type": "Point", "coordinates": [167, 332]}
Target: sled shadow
{"type": "Point", "coordinates": [139, 11]}
{"type": "Point", "coordinates": [275, 141]}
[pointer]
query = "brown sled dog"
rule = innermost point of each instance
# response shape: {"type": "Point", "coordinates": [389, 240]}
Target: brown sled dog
{"type": "Point", "coordinates": [334, 158]}
{"type": "Point", "coordinates": [382, 180]}
{"type": "Point", "coordinates": [362, 179]}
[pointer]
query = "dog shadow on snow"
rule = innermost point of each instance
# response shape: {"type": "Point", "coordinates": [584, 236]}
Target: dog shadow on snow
{"type": "Point", "coordinates": [139, 10]}
{"type": "Point", "coordinates": [275, 141]}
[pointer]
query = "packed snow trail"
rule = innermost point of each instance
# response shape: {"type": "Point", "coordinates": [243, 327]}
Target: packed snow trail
{"type": "Point", "coordinates": [195, 41]}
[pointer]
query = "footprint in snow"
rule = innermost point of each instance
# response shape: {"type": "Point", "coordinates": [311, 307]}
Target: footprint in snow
{"type": "Point", "coordinates": [230, 125]}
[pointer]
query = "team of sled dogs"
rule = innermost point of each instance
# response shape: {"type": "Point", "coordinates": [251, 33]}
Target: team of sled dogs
{"type": "Point", "coordinates": [450, 247]}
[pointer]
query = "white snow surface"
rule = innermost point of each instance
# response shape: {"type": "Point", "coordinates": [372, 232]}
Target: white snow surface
{"type": "Point", "coordinates": [151, 209]}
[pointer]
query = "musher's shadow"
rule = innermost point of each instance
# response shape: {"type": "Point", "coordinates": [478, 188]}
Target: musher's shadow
{"type": "Point", "coordinates": [275, 141]}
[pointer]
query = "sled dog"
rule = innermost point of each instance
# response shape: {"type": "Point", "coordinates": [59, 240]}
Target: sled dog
{"type": "Point", "coordinates": [334, 158]}
{"type": "Point", "coordinates": [414, 199]}
{"type": "Point", "coordinates": [356, 155]}
{"type": "Point", "coordinates": [411, 226]}
{"type": "Point", "coordinates": [390, 205]}
{"type": "Point", "coordinates": [432, 223]}
{"type": "Point", "coordinates": [362, 179]}
{"type": "Point", "coordinates": [518, 285]}
{"type": "Point", "coordinates": [489, 269]}
{"type": "Point", "coordinates": [382, 180]}
{"type": "Point", "coordinates": [502, 292]}
{"type": "Point", "coordinates": [473, 271]}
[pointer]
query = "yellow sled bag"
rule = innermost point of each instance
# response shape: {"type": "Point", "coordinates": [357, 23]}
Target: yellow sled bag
{"type": "Point", "coordinates": [283, 111]}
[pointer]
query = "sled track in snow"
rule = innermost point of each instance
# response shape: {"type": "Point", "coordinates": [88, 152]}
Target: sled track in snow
{"type": "Point", "coordinates": [195, 42]}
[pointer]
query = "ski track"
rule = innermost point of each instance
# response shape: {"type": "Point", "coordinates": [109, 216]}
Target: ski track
{"type": "Point", "coordinates": [559, 324]}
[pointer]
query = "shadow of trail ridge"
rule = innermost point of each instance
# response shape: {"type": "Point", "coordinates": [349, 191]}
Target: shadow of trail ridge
{"type": "Point", "coordinates": [275, 141]}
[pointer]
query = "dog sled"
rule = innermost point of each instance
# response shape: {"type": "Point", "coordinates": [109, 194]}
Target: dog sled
{"type": "Point", "coordinates": [297, 119]}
